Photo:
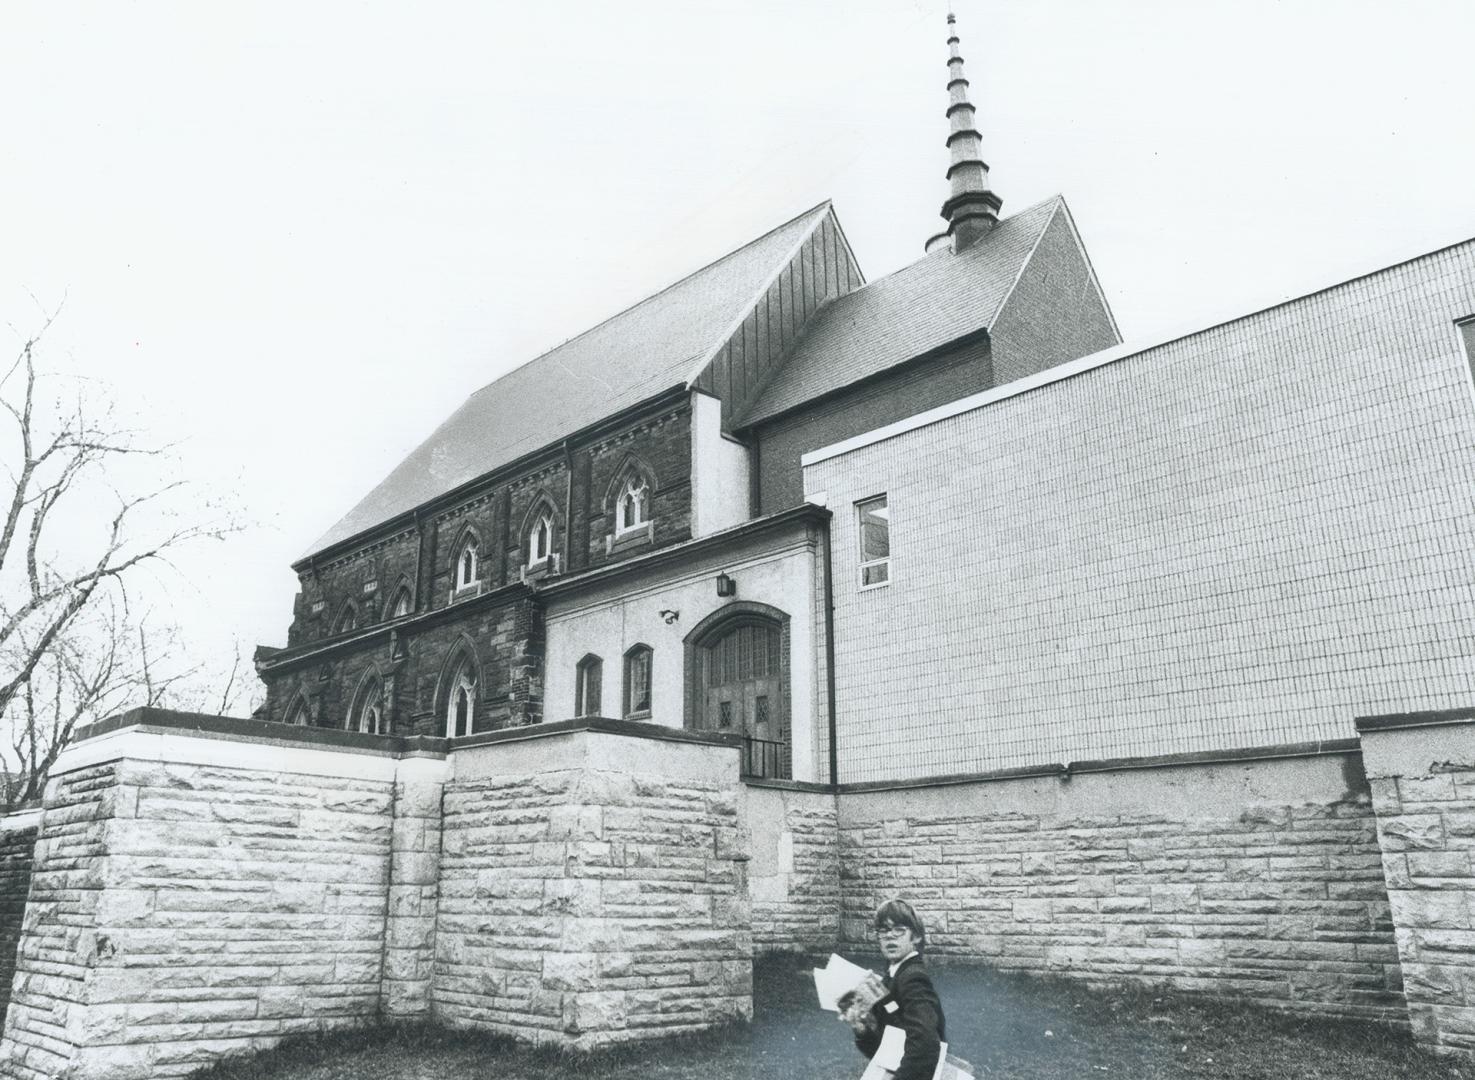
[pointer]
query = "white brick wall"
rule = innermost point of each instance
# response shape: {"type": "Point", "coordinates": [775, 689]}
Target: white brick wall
{"type": "Point", "coordinates": [1244, 537]}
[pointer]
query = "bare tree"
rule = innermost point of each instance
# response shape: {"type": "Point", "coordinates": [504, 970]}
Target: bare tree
{"type": "Point", "coordinates": [89, 507]}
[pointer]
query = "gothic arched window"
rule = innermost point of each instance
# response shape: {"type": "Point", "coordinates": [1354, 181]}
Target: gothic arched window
{"type": "Point", "coordinates": [347, 620]}
{"type": "Point", "coordinates": [466, 574]}
{"type": "Point", "coordinates": [367, 714]}
{"type": "Point", "coordinates": [461, 702]}
{"type": "Point", "coordinates": [632, 506]}
{"type": "Point", "coordinates": [400, 605]}
{"type": "Point", "coordinates": [298, 714]}
{"type": "Point", "coordinates": [540, 539]}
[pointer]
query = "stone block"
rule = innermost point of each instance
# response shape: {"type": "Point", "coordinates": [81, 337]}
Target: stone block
{"type": "Point", "coordinates": [1429, 909]}
{"type": "Point", "coordinates": [1439, 864]}
{"type": "Point", "coordinates": [1410, 832]}
{"type": "Point", "coordinates": [1426, 789]}
{"type": "Point", "coordinates": [599, 1011]}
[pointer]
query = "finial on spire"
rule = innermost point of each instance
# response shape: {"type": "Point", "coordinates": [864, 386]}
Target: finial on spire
{"type": "Point", "coordinates": [971, 209]}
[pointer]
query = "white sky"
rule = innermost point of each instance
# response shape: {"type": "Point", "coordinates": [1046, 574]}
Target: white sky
{"type": "Point", "coordinates": [296, 236]}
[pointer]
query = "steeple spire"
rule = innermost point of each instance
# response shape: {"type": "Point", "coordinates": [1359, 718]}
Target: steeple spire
{"type": "Point", "coordinates": [971, 209]}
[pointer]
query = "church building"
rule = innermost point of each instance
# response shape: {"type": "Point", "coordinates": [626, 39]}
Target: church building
{"type": "Point", "coordinates": [618, 528]}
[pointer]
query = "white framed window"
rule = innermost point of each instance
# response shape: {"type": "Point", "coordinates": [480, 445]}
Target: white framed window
{"type": "Point", "coordinates": [298, 714]}
{"type": "Point", "coordinates": [873, 530]}
{"type": "Point", "coordinates": [540, 539]}
{"type": "Point", "coordinates": [461, 704]}
{"type": "Point", "coordinates": [632, 506]}
{"type": "Point", "coordinates": [466, 569]}
{"type": "Point", "coordinates": [588, 689]}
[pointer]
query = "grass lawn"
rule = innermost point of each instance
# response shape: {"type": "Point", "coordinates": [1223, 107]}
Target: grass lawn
{"type": "Point", "coordinates": [1009, 1026]}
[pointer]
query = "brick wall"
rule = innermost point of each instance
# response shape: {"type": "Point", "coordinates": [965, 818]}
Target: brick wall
{"type": "Point", "coordinates": [591, 889]}
{"type": "Point", "coordinates": [1423, 785]}
{"type": "Point", "coordinates": [1240, 538]}
{"type": "Point", "coordinates": [1260, 880]}
{"type": "Point", "coordinates": [793, 868]}
{"type": "Point", "coordinates": [17, 847]}
{"type": "Point", "coordinates": [1055, 313]}
{"type": "Point", "coordinates": [898, 394]}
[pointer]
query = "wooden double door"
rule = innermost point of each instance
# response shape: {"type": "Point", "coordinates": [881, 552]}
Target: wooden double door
{"type": "Point", "coordinates": [741, 693]}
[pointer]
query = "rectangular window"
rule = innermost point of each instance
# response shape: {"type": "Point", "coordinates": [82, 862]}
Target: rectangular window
{"type": "Point", "coordinates": [1467, 332]}
{"type": "Point", "coordinates": [873, 521]}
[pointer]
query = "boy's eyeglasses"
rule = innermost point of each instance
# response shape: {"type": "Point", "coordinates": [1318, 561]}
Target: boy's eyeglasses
{"type": "Point", "coordinates": [892, 931]}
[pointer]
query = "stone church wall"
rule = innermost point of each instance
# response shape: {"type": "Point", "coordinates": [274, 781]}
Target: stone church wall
{"type": "Point", "coordinates": [794, 867]}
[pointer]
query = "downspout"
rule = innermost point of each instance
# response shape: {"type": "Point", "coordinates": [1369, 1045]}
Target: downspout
{"type": "Point", "coordinates": [830, 657]}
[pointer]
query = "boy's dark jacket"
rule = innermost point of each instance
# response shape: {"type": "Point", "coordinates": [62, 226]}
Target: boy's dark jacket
{"type": "Point", "coordinates": [917, 1011]}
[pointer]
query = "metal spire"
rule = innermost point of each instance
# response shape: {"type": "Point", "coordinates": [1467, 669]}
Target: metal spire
{"type": "Point", "coordinates": [971, 209]}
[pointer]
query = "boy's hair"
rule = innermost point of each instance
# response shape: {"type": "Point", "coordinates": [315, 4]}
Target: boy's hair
{"type": "Point", "coordinates": [900, 913]}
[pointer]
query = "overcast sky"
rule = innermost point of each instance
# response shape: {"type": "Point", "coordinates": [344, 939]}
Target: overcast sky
{"type": "Point", "coordinates": [295, 236]}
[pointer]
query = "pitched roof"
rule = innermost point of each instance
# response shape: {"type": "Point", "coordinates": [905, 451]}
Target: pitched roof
{"type": "Point", "coordinates": [628, 358]}
{"type": "Point", "coordinates": [937, 299]}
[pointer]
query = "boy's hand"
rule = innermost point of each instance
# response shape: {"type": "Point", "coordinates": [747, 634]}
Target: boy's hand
{"type": "Point", "coordinates": [858, 1015]}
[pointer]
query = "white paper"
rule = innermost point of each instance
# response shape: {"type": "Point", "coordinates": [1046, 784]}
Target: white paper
{"type": "Point", "coordinates": [836, 979]}
{"type": "Point", "coordinates": [893, 1045]}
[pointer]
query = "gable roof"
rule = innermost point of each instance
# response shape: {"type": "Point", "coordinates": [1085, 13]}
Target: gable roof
{"type": "Point", "coordinates": [631, 357]}
{"type": "Point", "coordinates": [937, 299]}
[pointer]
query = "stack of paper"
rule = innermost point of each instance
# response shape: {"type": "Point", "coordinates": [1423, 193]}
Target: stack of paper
{"type": "Point", "coordinates": [836, 979]}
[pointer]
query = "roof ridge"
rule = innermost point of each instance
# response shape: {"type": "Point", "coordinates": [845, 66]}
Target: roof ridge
{"type": "Point", "coordinates": [647, 299]}
{"type": "Point", "coordinates": [943, 250]}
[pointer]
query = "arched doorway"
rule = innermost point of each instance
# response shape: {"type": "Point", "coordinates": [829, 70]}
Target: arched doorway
{"type": "Point", "coordinates": [738, 683]}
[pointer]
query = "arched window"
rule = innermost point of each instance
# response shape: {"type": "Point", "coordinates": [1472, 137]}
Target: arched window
{"type": "Point", "coordinates": [298, 714]}
{"type": "Point", "coordinates": [590, 674]}
{"type": "Point", "coordinates": [347, 620]}
{"type": "Point", "coordinates": [400, 605]}
{"type": "Point", "coordinates": [540, 539]}
{"type": "Point", "coordinates": [466, 574]}
{"type": "Point", "coordinates": [367, 714]}
{"type": "Point", "coordinates": [632, 506]}
{"type": "Point", "coordinates": [637, 682]}
{"type": "Point", "coordinates": [461, 702]}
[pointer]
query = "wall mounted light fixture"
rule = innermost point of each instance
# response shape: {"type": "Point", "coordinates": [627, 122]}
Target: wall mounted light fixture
{"type": "Point", "coordinates": [726, 586]}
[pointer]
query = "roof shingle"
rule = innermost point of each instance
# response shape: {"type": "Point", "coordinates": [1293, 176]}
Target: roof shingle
{"type": "Point", "coordinates": [921, 307]}
{"type": "Point", "coordinates": [628, 358]}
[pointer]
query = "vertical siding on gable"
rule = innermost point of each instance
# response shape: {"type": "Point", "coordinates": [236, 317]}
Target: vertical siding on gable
{"type": "Point", "coordinates": [821, 270]}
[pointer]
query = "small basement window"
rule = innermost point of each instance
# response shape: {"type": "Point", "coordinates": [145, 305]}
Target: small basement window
{"type": "Point", "coordinates": [873, 521]}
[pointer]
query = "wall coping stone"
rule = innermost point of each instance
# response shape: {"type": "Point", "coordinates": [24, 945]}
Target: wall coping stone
{"type": "Point", "coordinates": [601, 725]}
{"type": "Point", "coordinates": [20, 819]}
{"type": "Point", "coordinates": [1318, 748]}
{"type": "Point", "coordinates": [815, 787]}
{"type": "Point", "coordinates": [1400, 721]}
{"type": "Point", "coordinates": [207, 725]}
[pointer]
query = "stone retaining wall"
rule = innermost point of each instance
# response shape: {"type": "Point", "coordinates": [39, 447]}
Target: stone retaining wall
{"type": "Point", "coordinates": [1261, 879]}
{"type": "Point", "coordinates": [592, 890]}
{"type": "Point", "coordinates": [194, 897]}
{"type": "Point", "coordinates": [793, 869]}
{"type": "Point", "coordinates": [17, 845]}
{"type": "Point", "coordinates": [1422, 771]}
